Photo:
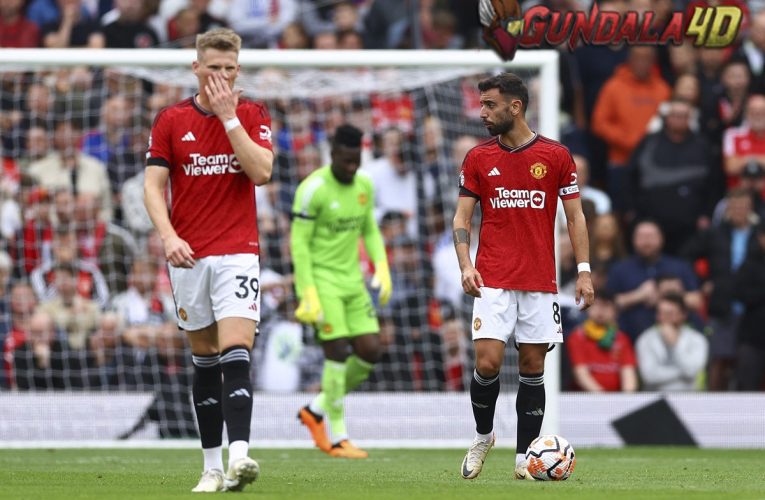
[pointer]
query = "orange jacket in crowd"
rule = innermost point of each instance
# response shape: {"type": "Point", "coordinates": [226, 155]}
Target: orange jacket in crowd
{"type": "Point", "coordinates": [624, 107]}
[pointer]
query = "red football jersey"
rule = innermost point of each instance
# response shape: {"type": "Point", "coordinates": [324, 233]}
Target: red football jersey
{"type": "Point", "coordinates": [212, 201]}
{"type": "Point", "coordinates": [518, 189]}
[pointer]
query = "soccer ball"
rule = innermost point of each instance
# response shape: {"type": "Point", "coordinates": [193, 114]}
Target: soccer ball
{"type": "Point", "coordinates": [550, 458]}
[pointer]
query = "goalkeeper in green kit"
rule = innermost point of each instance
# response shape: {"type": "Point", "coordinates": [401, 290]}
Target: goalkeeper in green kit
{"type": "Point", "coordinates": [333, 208]}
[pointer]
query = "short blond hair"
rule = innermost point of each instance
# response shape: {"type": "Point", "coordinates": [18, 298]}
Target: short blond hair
{"type": "Point", "coordinates": [223, 39]}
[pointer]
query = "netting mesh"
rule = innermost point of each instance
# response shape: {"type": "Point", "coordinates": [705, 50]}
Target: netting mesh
{"type": "Point", "coordinates": [89, 305]}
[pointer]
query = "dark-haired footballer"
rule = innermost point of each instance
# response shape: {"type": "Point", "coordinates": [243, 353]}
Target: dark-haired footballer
{"type": "Point", "coordinates": [333, 209]}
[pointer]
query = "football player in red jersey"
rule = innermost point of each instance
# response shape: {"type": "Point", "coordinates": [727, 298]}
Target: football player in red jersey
{"type": "Point", "coordinates": [213, 148]}
{"type": "Point", "coordinates": [517, 177]}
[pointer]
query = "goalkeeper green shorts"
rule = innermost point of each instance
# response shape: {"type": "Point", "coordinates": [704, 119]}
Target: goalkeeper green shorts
{"type": "Point", "coordinates": [346, 314]}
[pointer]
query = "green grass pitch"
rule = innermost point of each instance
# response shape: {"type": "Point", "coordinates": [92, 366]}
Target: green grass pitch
{"type": "Point", "coordinates": [631, 473]}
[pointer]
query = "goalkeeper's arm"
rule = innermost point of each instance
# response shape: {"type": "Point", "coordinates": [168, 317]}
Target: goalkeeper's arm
{"type": "Point", "coordinates": [376, 249]}
{"type": "Point", "coordinates": [309, 309]}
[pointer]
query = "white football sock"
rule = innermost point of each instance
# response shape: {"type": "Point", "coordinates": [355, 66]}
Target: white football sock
{"type": "Point", "coordinates": [237, 450]}
{"type": "Point", "coordinates": [213, 458]}
{"type": "Point", "coordinates": [520, 458]}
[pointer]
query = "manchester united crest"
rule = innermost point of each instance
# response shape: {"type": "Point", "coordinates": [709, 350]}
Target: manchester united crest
{"type": "Point", "coordinates": [326, 328]}
{"type": "Point", "coordinates": [182, 314]}
{"type": "Point", "coordinates": [477, 324]}
{"type": "Point", "coordinates": [538, 170]}
{"type": "Point", "coordinates": [363, 199]}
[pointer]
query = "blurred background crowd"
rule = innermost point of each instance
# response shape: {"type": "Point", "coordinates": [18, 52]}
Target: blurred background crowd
{"type": "Point", "coordinates": [669, 144]}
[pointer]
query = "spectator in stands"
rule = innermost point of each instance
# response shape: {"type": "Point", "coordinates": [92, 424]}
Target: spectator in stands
{"type": "Point", "coordinates": [753, 182]}
{"type": "Point", "coordinates": [724, 107]}
{"type": "Point", "coordinates": [396, 182]}
{"type": "Point", "coordinates": [624, 107]}
{"type": "Point", "coordinates": [90, 282]}
{"type": "Point", "coordinates": [195, 14]}
{"type": "Point", "coordinates": [607, 241]}
{"type": "Point", "coordinates": [294, 36]}
{"type": "Point", "coordinates": [16, 30]}
{"type": "Point", "coordinates": [113, 364]}
{"type": "Point", "coordinates": [6, 268]}
{"type": "Point", "coordinates": [112, 142]}
{"type": "Point", "coordinates": [670, 178]}
{"type": "Point", "coordinates": [106, 245]}
{"type": "Point", "coordinates": [32, 247]}
{"type": "Point", "coordinates": [745, 144]}
{"type": "Point", "coordinates": [752, 49]}
{"type": "Point", "coordinates": [671, 355]}
{"type": "Point", "coordinates": [749, 290]}
{"type": "Point", "coordinates": [38, 363]}
{"type": "Point", "coordinates": [67, 167]}
{"type": "Point", "coordinates": [350, 40]}
{"type": "Point", "coordinates": [599, 198]}
{"type": "Point", "coordinates": [439, 30]}
{"type": "Point", "coordinates": [261, 22]}
{"type": "Point", "coordinates": [633, 279]}
{"type": "Point", "coordinates": [185, 26]}
{"type": "Point", "coordinates": [387, 25]}
{"type": "Point", "coordinates": [76, 316]}
{"type": "Point", "coordinates": [142, 306]}
{"type": "Point", "coordinates": [131, 30]}
{"type": "Point", "coordinates": [601, 356]}
{"type": "Point", "coordinates": [22, 304]}
{"type": "Point", "coordinates": [724, 247]}
{"type": "Point", "coordinates": [72, 29]}
{"type": "Point", "coordinates": [454, 338]}
{"type": "Point", "coordinates": [325, 40]}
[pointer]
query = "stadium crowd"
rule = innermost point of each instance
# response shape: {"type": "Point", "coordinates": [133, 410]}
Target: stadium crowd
{"type": "Point", "coordinates": [669, 144]}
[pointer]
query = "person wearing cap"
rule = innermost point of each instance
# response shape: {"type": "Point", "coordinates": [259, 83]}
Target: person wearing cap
{"type": "Point", "coordinates": [753, 182]}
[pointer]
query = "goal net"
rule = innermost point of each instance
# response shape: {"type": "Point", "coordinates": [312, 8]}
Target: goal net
{"type": "Point", "coordinates": [91, 320]}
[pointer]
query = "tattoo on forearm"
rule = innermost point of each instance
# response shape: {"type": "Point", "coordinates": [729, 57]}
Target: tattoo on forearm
{"type": "Point", "coordinates": [461, 235]}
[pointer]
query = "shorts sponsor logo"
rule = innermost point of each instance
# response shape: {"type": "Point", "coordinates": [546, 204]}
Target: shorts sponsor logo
{"type": "Point", "coordinates": [182, 314]}
{"type": "Point", "coordinates": [538, 170]}
{"type": "Point", "coordinates": [477, 324]}
{"type": "Point", "coordinates": [517, 198]}
{"type": "Point", "coordinates": [211, 165]}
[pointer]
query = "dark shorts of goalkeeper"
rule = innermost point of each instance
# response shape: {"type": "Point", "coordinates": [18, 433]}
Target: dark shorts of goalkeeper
{"type": "Point", "coordinates": [349, 313]}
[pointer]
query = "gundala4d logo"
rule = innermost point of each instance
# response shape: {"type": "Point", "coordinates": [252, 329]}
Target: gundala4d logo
{"type": "Point", "coordinates": [505, 29]}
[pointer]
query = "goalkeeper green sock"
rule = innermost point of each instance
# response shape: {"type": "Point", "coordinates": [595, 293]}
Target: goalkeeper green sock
{"type": "Point", "coordinates": [356, 372]}
{"type": "Point", "coordinates": [333, 389]}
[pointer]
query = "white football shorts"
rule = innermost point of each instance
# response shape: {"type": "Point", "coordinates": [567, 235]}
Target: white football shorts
{"type": "Point", "coordinates": [217, 287]}
{"type": "Point", "coordinates": [533, 317]}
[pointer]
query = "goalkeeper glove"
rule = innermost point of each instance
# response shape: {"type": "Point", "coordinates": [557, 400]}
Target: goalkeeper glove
{"type": "Point", "coordinates": [309, 310]}
{"type": "Point", "coordinates": [381, 281]}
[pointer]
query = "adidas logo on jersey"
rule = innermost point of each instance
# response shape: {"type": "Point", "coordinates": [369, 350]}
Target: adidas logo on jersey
{"type": "Point", "coordinates": [493, 172]}
{"type": "Point", "coordinates": [188, 137]}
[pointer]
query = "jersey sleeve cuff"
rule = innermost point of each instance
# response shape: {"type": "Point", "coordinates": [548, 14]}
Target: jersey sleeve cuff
{"type": "Point", "coordinates": [466, 192]}
{"type": "Point", "coordinates": [157, 162]}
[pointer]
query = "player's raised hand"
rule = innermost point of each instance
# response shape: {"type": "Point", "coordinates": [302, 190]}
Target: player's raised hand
{"type": "Point", "coordinates": [178, 253]}
{"type": "Point", "coordinates": [223, 99]}
{"type": "Point", "coordinates": [472, 281]}
{"type": "Point", "coordinates": [585, 293]}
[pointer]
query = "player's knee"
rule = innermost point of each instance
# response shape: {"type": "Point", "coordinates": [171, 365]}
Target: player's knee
{"type": "Point", "coordinates": [336, 350]}
{"type": "Point", "coordinates": [531, 365]}
{"type": "Point", "coordinates": [488, 368]}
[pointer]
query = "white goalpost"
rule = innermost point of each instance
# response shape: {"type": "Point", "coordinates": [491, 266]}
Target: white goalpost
{"type": "Point", "coordinates": [413, 404]}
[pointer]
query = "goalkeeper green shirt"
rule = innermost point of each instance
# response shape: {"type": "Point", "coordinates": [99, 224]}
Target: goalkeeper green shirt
{"type": "Point", "coordinates": [328, 218]}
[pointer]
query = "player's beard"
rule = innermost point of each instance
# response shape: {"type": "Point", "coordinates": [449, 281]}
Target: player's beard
{"type": "Point", "coordinates": [501, 128]}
